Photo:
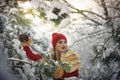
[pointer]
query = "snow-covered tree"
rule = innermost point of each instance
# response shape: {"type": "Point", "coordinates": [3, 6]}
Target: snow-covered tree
{"type": "Point", "coordinates": [95, 28]}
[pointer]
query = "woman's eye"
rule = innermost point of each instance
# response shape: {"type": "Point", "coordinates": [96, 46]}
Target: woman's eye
{"type": "Point", "coordinates": [60, 42]}
{"type": "Point", "coordinates": [65, 42]}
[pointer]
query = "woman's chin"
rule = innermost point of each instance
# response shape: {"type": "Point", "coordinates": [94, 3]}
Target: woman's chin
{"type": "Point", "coordinates": [63, 51]}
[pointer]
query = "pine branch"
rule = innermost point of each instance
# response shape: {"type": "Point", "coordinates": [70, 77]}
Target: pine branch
{"type": "Point", "coordinates": [16, 59]}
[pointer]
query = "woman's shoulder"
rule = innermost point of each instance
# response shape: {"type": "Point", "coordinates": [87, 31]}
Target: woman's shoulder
{"type": "Point", "coordinates": [71, 51]}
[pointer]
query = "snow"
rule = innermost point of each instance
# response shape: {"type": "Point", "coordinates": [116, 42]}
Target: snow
{"type": "Point", "coordinates": [35, 3]}
{"type": "Point", "coordinates": [16, 45]}
{"type": "Point", "coordinates": [56, 4]}
{"type": "Point", "coordinates": [51, 15]}
{"type": "Point", "coordinates": [64, 23]}
{"type": "Point", "coordinates": [59, 5]}
{"type": "Point", "coordinates": [13, 11]}
{"type": "Point", "coordinates": [81, 37]}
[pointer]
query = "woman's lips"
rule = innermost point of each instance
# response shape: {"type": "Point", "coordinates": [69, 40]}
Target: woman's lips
{"type": "Point", "coordinates": [63, 47]}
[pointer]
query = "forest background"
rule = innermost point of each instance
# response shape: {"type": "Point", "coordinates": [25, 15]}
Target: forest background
{"type": "Point", "coordinates": [91, 26]}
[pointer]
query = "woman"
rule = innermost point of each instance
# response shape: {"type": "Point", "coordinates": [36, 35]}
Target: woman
{"type": "Point", "coordinates": [61, 53]}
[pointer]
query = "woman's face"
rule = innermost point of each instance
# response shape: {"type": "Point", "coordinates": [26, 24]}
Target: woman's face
{"type": "Point", "coordinates": [61, 45]}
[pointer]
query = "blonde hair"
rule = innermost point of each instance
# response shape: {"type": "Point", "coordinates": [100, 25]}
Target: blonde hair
{"type": "Point", "coordinates": [57, 54]}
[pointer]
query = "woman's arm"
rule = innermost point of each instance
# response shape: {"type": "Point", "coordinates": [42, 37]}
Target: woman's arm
{"type": "Point", "coordinates": [31, 55]}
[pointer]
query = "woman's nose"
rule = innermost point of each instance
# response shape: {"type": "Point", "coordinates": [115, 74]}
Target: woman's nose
{"type": "Point", "coordinates": [64, 44]}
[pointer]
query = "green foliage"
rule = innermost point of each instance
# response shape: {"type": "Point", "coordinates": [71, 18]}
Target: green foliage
{"type": "Point", "coordinates": [56, 11]}
{"type": "Point", "coordinates": [99, 52]}
{"type": "Point", "coordinates": [57, 21]}
{"type": "Point", "coordinates": [47, 69]}
{"type": "Point", "coordinates": [60, 17]}
{"type": "Point", "coordinates": [42, 14]}
{"type": "Point", "coordinates": [66, 66]}
{"type": "Point", "coordinates": [48, 66]}
{"type": "Point", "coordinates": [21, 20]}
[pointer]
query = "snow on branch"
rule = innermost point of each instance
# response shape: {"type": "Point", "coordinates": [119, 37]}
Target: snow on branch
{"type": "Point", "coordinates": [16, 59]}
{"type": "Point", "coordinates": [82, 13]}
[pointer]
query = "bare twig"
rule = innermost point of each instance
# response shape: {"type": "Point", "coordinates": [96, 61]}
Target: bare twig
{"type": "Point", "coordinates": [116, 8]}
{"type": "Point", "coordinates": [93, 34]}
{"type": "Point", "coordinates": [105, 9]}
{"type": "Point", "coordinates": [91, 19]}
{"type": "Point", "coordinates": [82, 13]}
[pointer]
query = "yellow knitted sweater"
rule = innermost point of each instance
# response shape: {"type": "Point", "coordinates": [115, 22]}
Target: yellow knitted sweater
{"type": "Point", "coordinates": [72, 58]}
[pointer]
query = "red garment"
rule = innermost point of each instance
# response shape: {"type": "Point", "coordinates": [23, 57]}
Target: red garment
{"type": "Point", "coordinates": [72, 74]}
{"type": "Point", "coordinates": [31, 55]}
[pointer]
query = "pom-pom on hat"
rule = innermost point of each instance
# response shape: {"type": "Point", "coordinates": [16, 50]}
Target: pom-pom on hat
{"type": "Point", "coordinates": [56, 37]}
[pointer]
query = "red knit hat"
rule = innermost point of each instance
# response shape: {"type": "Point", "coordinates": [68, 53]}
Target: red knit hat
{"type": "Point", "coordinates": [56, 37]}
